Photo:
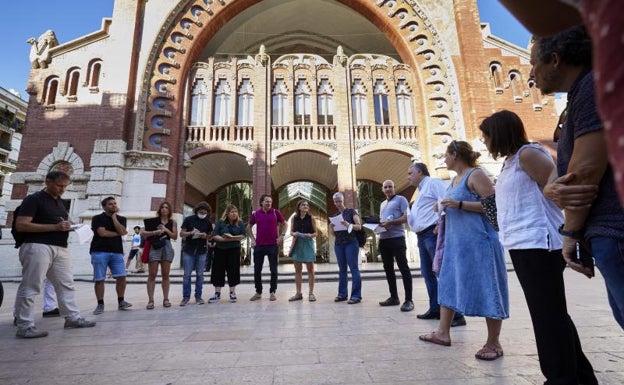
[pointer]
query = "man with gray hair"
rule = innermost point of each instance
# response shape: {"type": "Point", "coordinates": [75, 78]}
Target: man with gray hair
{"type": "Point", "coordinates": [423, 221]}
{"type": "Point", "coordinates": [562, 63]}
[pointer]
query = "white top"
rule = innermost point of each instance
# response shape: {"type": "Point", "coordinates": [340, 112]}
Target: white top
{"type": "Point", "coordinates": [421, 215]}
{"type": "Point", "coordinates": [527, 220]}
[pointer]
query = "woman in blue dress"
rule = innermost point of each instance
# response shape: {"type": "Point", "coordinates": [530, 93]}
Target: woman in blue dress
{"type": "Point", "coordinates": [303, 231]}
{"type": "Point", "coordinates": [473, 276]}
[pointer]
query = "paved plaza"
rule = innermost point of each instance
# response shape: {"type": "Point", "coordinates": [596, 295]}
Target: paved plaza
{"type": "Point", "coordinates": [279, 342]}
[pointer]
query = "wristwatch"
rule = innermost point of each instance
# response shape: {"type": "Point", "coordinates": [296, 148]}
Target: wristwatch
{"type": "Point", "coordinates": [574, 234]}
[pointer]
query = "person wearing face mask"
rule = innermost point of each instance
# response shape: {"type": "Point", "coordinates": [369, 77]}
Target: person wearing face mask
{"type": "Point", "coordinates": [196, 230]}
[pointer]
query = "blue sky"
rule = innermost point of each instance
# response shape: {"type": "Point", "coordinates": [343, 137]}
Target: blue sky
{"type": "Point", "coordinates": [70, 19]}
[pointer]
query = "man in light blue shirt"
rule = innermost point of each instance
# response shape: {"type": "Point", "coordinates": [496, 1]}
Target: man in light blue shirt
{"type": "Point", "coordinates": [423, 220]}
{"type": "Point", "coordinates": [393, 215]}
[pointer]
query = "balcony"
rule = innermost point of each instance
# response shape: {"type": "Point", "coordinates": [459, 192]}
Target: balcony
{"type": "Point", "coordinates": [203, 134]}
{"type": "Point", "coordinates": [303, 133]}
{"type": "Point", "coordinates": [384, 132]}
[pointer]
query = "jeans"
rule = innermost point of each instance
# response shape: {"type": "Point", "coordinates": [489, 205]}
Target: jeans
{"type": "Point", "coordinates": [258, 255]}
{"type": "Point", "coordinates": [426, 248]}
{"type": "Point", "coordinates": [391, 249]}
{"type": "Point", "coordinates": [561, 356]}
{"type": "Point", "coordinates": [192, 262]}
{"type": "Point", "coordinates": [609, 259]}
{"type": "Point", "coordinates": [38, 261]}
{"type": "Point", "coordinates": [348, 254]}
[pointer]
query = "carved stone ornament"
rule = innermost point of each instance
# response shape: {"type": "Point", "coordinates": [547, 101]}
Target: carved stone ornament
{"type": "Point", "coordinates": [147, 160]}
{"type": "Point", "coordinates": [40, 49]}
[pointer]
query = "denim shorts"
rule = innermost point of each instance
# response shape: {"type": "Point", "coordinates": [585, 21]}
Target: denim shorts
{"type": "Point", "coordinates": [101, 260]}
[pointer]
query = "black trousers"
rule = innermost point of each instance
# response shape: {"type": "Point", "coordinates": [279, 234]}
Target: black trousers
{"type": "Point", "coordinates": [391, 249]}
{"type": "Point", "coordinates": [561, 357]}
{"type": "Point", "coordinates": [226, 260]}
{"type": "Point", "coordinates": [258, 255]}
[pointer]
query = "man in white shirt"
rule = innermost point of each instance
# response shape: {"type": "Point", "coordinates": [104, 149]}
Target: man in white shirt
{"type": "Point", "coordinates": [423, 221]}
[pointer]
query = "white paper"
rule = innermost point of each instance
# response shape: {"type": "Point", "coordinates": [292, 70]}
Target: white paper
{"type": "Point", "coordinates": [84, 233]}
{"type": "Point", "coordinates": [197, 235]}
{"type": "Point", "coordinates": [337, 222]}
{"type": "Point", "coordinates": [374, 227]}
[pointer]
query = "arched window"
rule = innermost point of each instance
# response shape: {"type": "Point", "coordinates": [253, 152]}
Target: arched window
{"type": "Point", "coordinates": [222, 104]}
{"type": "Point", "coordinates": [245, 103]}
{"type": "Point", "coordinates": [404, 103]}
{"type": "Point", "coordinates": [515, 82]}
{"type": "Point", "coordinates": [380, 103]}
{"type": "Point", "coordinates": [50, 89]}
{"type": "Point", "coordinates": [358, 103]}
{"type": "Point", "coordinates": [496, 73]}
{"type": "Point", "coordinates": [199, 103]}
{"type": "Point", "coordinates": [93, 74]}
{"type": "Point", "coordinates": [280, 101]}
{"type": "Point", "coordinates": [303, 103]}
{"type": "Point", "coordinates": [71, 83]}
{"type": "Point", "coordinates": [325, 103]}
{"type": "Point", "coordinates": [536, 95]}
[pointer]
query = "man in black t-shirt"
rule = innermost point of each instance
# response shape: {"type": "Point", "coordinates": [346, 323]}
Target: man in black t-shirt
{"type": "Point", "coordinates": [43, 220]}
{"type": "Point", "coordinates": [107, 251]}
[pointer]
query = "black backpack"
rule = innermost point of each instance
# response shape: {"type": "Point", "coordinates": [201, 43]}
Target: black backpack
{"type": "Point", "coordinates": [17, 235]}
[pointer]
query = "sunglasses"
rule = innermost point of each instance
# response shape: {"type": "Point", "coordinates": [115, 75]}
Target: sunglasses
{"type": "Point", "coordinates": [454, 146]}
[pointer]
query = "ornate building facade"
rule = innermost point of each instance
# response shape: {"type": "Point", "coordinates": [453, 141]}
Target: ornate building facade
{"type": "Point", "coordinates": [177, 99]}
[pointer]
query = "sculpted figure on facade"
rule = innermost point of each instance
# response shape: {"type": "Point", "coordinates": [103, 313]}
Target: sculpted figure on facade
{"type": "Point", "coordinates": [40, 49]}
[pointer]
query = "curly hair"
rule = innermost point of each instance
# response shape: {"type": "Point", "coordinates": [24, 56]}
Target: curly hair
{"type": "Point", "coordinates": [573, 45]}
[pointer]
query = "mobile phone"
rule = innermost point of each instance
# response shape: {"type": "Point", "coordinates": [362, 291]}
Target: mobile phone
{"type": "Point", "coordinates": [584, 255]}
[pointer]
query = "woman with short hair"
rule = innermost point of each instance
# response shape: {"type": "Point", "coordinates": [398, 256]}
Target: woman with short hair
{"type": "Point", "coordinates": [529, 230]}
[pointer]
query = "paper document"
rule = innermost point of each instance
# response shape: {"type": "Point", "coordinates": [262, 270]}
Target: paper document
{"type": "Point", "coordinates": [84, 233]}
{"type": "Point", "coordinates": [374, 227]}
{"type": "Point", "coordinates": [337, 222]}
{"type": "Point", "coordinates": [197, 235]}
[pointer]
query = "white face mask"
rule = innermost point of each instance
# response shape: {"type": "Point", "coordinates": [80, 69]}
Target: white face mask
{"type": "Point", "coordinates": [202, 216]}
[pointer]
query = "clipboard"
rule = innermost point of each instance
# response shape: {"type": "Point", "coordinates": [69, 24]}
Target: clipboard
{"type": "Point", "coordinates": [151, 224]}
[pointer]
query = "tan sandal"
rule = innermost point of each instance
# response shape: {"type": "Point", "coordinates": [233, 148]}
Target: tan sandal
{"type": "Point", "coordinates": [311, 297]}
{"type": "Point", "coordinates": [166, 303]}
{"type": "Point", "coordinates": [296, 297]}
{"type": "Point", "coordinates": [150, 305]}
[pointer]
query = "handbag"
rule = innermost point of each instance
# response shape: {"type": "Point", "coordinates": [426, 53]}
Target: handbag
{"type": "Point", "coordinates": [158, 243]}
{"type": "Point", "coordinates": [489, 210]}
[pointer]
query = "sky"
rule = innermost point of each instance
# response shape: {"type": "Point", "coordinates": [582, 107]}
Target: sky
{"type": "Point", "coordinates": [70, 19]}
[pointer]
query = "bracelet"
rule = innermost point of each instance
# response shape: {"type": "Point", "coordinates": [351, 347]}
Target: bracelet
{"type": "Point", "coordinates": [461, 203]}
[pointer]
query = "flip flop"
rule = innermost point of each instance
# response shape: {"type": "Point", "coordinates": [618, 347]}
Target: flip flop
{"type": "Point", "coordinates": [488, 353]}
{"type": "Point", "coordinates": [150, 305]}
{"type": "Point", "coordinates": [434, 339]}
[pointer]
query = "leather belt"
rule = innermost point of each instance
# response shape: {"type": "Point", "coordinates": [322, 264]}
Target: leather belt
{"type": "Point", "coordinates": [427, 229]}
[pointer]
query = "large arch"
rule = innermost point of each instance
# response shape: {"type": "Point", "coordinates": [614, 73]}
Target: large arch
{"type": "Point", "coordinates": [192, 23]}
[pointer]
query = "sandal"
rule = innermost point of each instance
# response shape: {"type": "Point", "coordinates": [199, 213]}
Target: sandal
{"type": "Point", "coordinates": [434, 339]}
{"type": "Point", "coordinates": [296, 297]}
{"type": "Point", "coordinates": [488, 353]}
{"type": "Point", "coordinates": [150, 305]}
{"type": "Point", "coordinates": [311, 297]}
{"type": "Point", "coordinates": [166, 303]}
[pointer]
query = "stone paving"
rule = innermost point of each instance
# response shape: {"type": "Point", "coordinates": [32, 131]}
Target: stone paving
{"type": "Point", "coordinates": [279, 342]}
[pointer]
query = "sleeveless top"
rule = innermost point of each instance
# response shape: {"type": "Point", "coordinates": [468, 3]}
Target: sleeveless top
{"type": "Point", "coordinates": [527, 219]}
{"type": "Point", "coordinates": [303, 225]}
{"type": "Point", "coordinates": [343, 236]}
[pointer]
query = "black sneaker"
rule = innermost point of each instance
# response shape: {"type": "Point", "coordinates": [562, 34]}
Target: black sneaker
{"type": "Point", "coordinates": [390, 302]}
